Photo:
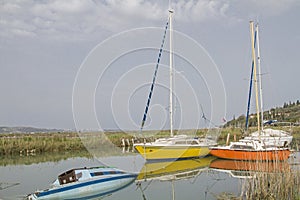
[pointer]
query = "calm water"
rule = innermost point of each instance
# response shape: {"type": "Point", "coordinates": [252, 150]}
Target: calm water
{"type": "Point", "coordinates": [166, 181]}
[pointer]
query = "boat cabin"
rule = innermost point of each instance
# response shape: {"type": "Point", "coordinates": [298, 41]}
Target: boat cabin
{"type": "Point", "coordinates": [68, 177]}
{"type": "Point", "coordinates": [242, 146]}
{"type": "Point", "coordinates": [79, 174]}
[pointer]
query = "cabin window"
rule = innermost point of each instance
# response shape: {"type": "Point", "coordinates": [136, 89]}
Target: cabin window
{"type": "Point", "coordinates": [97, 174]}
{"type": "Point", "coordinates": [190, 142]}
{"type": "Point", "coordinates": [67, 177]}
{"type": "Point", "coordinates": [79, 175]}
{"type": "Point", "coordinates": [180, 142]}
{"type": "Point", "coordinates": [194, 142]}
{"type": "Point", "coordinates": [246, 147]}
{"type": "Point", "coordinates": [269, 146]}
{"type": "Point", "coordinates": [106, 173]}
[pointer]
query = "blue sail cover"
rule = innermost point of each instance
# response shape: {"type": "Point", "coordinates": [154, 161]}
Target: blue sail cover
{"type": "Point", "coordinates": [250, 89]}
{"type": "Point", "coordinates": [154, 76]}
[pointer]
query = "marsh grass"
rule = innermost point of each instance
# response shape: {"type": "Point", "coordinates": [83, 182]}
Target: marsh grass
{"type": "Point", "coordinates": [22, 143]}
{"type": "Point", "coordinates": [13, 144]}
{"type": "Point", "coordinates": [277, 181]}
{"type": "Point", "coordinates": [267, 180]}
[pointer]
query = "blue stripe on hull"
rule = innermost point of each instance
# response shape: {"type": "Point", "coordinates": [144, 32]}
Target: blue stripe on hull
{"type": "Point", "coordinates": [102, 194]}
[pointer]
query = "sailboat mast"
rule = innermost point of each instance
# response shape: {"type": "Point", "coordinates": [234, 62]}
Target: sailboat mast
{"type": "Point", "coordinates": [255, 75]}
{"type": "Point", "coordinates": [171, 73]}
{"type": "Point", "coordinates": [260, 81]}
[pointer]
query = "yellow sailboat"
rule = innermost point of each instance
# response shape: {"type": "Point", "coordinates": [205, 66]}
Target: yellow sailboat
{"type": "Point", "coordinates": [174, 147]}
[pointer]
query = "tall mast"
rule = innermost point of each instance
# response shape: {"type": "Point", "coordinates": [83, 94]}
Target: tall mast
{"type": "Point", "coordinates": [250, 91]}
{"type": "Point", "coordinates": [260, 82]}
{"type": "Point", "coordinates": [255, 75]}
{"type": "Point", "coordinates": [171, 73]}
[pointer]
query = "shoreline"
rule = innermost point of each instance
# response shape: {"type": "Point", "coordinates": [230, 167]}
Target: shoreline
{"type": "Point", "coordinates": [39, 143]}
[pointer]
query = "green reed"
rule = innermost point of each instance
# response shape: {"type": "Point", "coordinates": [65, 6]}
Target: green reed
{"type": "Point", "coordinates": [281, 183]}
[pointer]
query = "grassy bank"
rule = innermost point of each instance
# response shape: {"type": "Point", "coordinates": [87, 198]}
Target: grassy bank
{"type": "Point", "coordinates": [38, 143]}
{"type": "Point", "coordinates": [24, 144]}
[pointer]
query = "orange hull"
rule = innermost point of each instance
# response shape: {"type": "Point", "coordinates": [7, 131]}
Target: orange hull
{"type": "Point", "coordinates": [271, 155]}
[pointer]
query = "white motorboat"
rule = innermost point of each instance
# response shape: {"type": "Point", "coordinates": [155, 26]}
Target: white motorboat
{"type": "Point", "coordinates": [86, 183]}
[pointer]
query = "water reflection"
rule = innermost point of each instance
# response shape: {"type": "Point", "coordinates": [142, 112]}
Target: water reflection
{"type": "Point", "coordinates": [174, 170]}
{"type": "Point", "coordinates": [247, 169]}
{"type": "Point", "coordinates": [204, 178]}
{"type": "Point", "coordinates": [42, 158]}
{"type": "Point", "coordinates": [170, 172]}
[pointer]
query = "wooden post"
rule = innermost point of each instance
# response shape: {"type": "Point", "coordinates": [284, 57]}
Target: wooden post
{"type": "Point", "coordinates": [227, 140]}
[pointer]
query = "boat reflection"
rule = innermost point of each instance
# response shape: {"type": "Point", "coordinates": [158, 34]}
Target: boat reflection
{"type": "Point", "coordinates": [174, 170]}
{"type": "Point", "coordinates": [171, 171]}
{"type": "Point", "coordinates": [248, 169]}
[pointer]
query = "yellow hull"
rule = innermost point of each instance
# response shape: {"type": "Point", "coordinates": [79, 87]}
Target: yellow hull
{"type": "Point", "coordinates": [151, 152]}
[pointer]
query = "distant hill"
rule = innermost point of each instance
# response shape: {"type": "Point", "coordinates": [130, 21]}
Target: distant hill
{"type": "Point", "coordinates": [19, 129]}
{"type": "Point", "coordinates": [288, 114]}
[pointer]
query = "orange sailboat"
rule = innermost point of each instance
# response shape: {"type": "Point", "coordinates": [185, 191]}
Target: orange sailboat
{"type": "Point", "coordinates": [250, 148]}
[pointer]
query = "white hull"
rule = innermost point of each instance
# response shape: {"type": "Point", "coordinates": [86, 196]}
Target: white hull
{"type": "Point", "coordinates": [83, 192]}
{"type": "Point", "coordinates": [90, 188]}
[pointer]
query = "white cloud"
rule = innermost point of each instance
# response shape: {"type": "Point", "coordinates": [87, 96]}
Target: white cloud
{"type": "Point", "coordinates": [85, 19]}
{"type": "Point", "coordinates": [267, 8]}
{"type": "Point", "coordinates": [274, 7]}
{"type": "Point", "coordinates": [200, 10]}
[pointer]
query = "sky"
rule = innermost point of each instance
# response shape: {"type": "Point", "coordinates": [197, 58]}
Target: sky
{"type": "Point", "coordinates": [45, 46]}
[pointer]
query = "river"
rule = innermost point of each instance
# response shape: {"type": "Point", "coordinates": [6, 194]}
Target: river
{"type": "Point", "coordinates": [166, 180]}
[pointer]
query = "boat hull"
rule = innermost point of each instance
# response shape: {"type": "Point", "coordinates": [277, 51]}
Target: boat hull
{"type": "Point", "coordinates": [271, 155]}
{"type": "Point", "coordinates": [171, 152]}
{"type": "Point", "coordinates": [85, 190]}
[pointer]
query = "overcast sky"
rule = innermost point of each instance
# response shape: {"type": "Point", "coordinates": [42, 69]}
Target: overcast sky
{"type": "Point", "coordinates": [44, 43]}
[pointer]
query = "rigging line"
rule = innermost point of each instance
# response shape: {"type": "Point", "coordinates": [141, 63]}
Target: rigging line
{"type": "Point", "coordinates": [139, 185]}
{"type": "Point", "coordinates": [154, 77]}
{"type": "Point", "coordinates": [205, 118]}
{"type": "Point", "coordinates": [196, 176]}
{"type": "Point", "coordinates": [7, 185]}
